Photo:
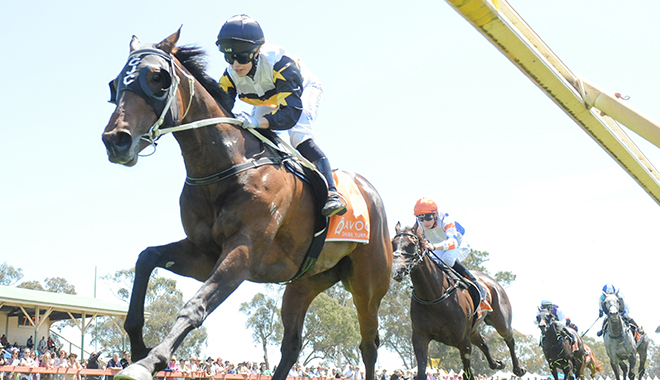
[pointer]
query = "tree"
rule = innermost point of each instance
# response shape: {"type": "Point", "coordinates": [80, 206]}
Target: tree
{"type": "Point", "coordinates": [331, 331]}
{"type": "Point", "coordinates": [53, 285]}
{"type": "Point", "coordinates": [32, 285]}
{"type": "Point", "coordinates": [9, 275]}
{"type": "Point", "coordinates": [163, 302]}
{"type": "Point", "coordinates": [264, 320]}
{"type": "Point", "coordinates": [59, 285]}
{"type": "Point", "coordinates": [477, 259]}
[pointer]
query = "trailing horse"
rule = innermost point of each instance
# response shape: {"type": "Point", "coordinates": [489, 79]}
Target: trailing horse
{"type": "Point", "coordinates": [620, 342]}
{"type": "Point", "coordinates": [442, 308]}
{"type": "Point", "coordinates": [591, 363]}
{"type": "Point", "coordinates": [559, 352]}
{"type": "Point", "coordinates": [245, 213]}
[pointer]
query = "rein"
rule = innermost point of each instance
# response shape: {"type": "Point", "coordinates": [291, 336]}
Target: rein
{"type": "Point", "coordinates": [418, 256]}
{"type": "Point", "coordinates": [155, 131]}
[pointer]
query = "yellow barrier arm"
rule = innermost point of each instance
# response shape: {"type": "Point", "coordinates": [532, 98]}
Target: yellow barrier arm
{"type": "Point", "coordinates": [594, 110]}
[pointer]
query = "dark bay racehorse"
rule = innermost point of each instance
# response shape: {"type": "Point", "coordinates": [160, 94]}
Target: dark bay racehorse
{"type": "Point", "coordinates": [620, 343]}
{"type": "Point", "coordinates": [245, 216]}
{"type": "Point", "coordinates": [557, 348]}
{"type": "Point", "coordinates": [443, 311]}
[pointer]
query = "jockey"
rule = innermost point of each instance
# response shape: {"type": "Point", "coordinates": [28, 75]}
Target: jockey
{"type": "Point", "coordinates": [623, 307]}
{"type": "Point", "coordinates": [286, 96]}
{"type": "Point", "coordinates": [554, 310]}
{"type": "Point", "coordinates": [449, 247]}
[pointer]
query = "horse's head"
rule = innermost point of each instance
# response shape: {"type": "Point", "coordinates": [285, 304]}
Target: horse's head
{"type": "Point", "coordinates": [145, 95]}
{"type": "Point", "coordinates": [408, 250]}
{"type": "Point", "coordinates": [544, 318]}
{"type": "Point", "coordinates": [611, 304]}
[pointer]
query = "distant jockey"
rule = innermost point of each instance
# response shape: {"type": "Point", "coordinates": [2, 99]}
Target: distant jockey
{"type": "Point", "coordinates": [623, 307]}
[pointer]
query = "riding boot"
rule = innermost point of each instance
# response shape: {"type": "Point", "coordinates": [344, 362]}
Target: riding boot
{"type": "Point", "coordinates": [334, 205]}
{"type": "Point", "coordinates": [463, 271]}
{"type": "Point", "coordinates": [636, 329]}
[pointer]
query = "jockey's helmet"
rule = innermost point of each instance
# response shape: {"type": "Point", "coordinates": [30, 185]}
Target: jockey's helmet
{"type": "Point", "coordinates": [546, 303]}
{"type": "Point", "coordinates": [240, 34]}
{"type": "Point", "coordinates": [425, 206]}
{"type": "Point", "coordinates": [609, 289]}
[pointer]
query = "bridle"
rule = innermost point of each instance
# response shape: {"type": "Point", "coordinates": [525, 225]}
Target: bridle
{"type": "Point", "coordinates": [133, 78]}
{"type": "Point", "coordinates": [417, 256]}
{"type": "Point", "coordinates": [613, 299]}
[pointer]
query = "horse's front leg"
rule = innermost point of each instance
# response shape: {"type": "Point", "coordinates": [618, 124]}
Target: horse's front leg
{"type": "Point", "coordinates": [295, 302]}
{"type": "Point", "coordinates": [180, 257]}
{"type": "Point", "coordinates": [632, 361]}
{"type": "Point", "coordinates": [553, 369]}
{"type": "Point", "coordinates": [420, 342]}
{"type": "Point", "coordinates": [615, 369]}
{"type": "Point", "coordinates": [224, 279]}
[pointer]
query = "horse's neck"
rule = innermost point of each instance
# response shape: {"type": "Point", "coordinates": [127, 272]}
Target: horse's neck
{"type": "Point", "coordinates": [209, 150]}
{"type": "Point", "coordinates": [616, 324]}
{"type": "Point", "coordinates": [430, 281]}
{"type": "Point", "coordinates": [552, 333]}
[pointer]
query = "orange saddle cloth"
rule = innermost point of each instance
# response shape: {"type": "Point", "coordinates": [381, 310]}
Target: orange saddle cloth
{"type": "Point", "coordinates": [354, 224]}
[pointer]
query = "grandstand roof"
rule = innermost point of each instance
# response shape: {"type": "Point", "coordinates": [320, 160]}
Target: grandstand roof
{"type": "Point", "coordinates": [13, 299]}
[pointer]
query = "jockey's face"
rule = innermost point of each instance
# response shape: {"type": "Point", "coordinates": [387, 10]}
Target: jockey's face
{"type": "Point", "coordinates": [241, 69]}
{"type": "Point", "coordinates": [429, 221]}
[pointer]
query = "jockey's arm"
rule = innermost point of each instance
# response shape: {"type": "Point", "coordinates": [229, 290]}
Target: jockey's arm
{"type": "Point", "coordinates": [449, 226]}
{"type": "Point", "coordinates": [289, 87]}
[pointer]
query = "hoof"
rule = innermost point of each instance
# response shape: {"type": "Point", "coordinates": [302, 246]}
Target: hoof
{"type": "Point", "coordinates": [134, 372]}
{"type": "Point", "coordinates": [519, 371]}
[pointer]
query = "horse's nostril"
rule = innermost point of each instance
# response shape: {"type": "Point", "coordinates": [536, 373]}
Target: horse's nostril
{"type": "Point", "coordinates": [122, 139]}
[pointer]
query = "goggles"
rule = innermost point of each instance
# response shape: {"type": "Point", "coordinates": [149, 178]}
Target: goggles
{"type": "Point", "coordinates": [425, 217]}
{"type": "Point", "coordinates": [242, 58]}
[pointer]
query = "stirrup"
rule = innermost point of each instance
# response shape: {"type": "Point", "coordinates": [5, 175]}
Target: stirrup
{"type": "Point", "coordinates": [334, 205]}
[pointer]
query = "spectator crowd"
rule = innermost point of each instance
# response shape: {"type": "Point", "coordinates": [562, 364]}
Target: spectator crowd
{"type": "Point", "coordinates": [46, 355]}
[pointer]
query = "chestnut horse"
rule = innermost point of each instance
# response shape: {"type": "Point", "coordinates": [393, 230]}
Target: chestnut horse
{"type": "Point", "coordinates": [243, 219]}
{"type": "Point", "coordinates": [591, 363]}
{"type": "Point", "coordinates": [443, 310]}
{"type": "Point", "coordinates": [557, 347]}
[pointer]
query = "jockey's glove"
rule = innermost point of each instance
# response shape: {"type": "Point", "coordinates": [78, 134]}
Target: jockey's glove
{"type": "Point", "coordinates": [248, 120]}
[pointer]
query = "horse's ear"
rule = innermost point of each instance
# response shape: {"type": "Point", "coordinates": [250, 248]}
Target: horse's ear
{"type": "Point", "coordinates": [397, 228]}
{"type": "Point", "coordinates": [135, 44]}
{"type": "Point", "coordinates": [414, 228]}
{"type": "Point", "coordinates": [167, 45]}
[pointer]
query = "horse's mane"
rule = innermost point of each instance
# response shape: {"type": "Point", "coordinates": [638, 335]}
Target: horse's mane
{"type": "Point", "coordinates": [193, 58]}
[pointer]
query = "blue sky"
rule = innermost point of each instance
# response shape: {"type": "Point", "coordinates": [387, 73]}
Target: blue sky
{"type": "Point", "coordinates": [416, 100]}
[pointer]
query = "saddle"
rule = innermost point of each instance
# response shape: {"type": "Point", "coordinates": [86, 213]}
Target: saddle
{"type": "Point", "coordinates": [472, 288]}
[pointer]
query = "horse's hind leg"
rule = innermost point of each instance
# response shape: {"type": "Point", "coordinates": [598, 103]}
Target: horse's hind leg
{"type": "Point", "coordinates": [179, 257]}
{"type": "Point", "coordinates": [478, 340]}
{"type": "Point", "coordinates": [295, 302]}
{"type": "Point", "coordinates": [500, 318]}
{"type": "Point", "coordinates": [642, 359]}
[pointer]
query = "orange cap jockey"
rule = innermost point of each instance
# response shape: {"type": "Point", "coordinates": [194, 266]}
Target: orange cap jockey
{"type": "Point", "coordinates": [425, 206]}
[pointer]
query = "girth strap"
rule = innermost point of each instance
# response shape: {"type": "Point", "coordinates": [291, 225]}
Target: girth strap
{"type": "Point", "coordinates": [234, 170]}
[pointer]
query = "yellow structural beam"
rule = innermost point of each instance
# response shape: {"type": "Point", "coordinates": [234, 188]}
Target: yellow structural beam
{"type": "Point", "coordinates": [594, 110]}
